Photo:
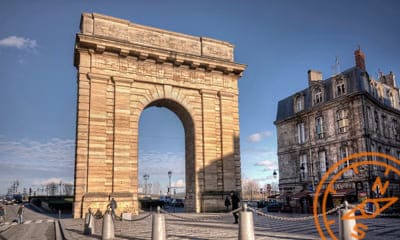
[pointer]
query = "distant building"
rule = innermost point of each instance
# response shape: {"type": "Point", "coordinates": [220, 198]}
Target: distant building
{"type": "Point", "coordinates": [347, 113]}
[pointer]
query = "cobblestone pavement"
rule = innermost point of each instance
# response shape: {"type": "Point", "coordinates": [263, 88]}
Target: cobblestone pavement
{"type": "Point", "coordinates": [36, 225]}
{"type": "Point", "coordinates": [223, 228]}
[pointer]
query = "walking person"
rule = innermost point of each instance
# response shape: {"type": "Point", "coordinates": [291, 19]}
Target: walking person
{"type": "Point", "coordinates": [2, 214]}
{"type": "Point", "coordinates": [113, 206]}
{"type": "Point", "coordinates": [227, 203]}
{"type": "Point", "coordinates": [235, 205]}
{"type": "Point", "coordinates": [20, 213]}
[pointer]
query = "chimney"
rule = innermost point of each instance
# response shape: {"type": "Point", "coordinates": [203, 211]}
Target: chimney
{"type": "Point", "coordinates": [314, 76]}
{"type": "Point", "coordinates": [360, 58]}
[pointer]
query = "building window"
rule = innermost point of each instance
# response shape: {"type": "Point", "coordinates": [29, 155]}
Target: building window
{"type": "Point", "coordinates": [323, 165]}
{"type": "Point", "coordinates": [317, 95]}
{"type": "Point", "coordinates": [340, 87]}
{"type": "Point", "coordinates": [319, 127]}
{"type": "Point", "coordinates": [303, 166]}
{"type": "Point", "coordinates": [369, 122]}
{"type": "Point", "coordinates": [301, 137]}
{"type": "Point", "coordinates": [342, 120]}
{"type": "Point", "coordinates": [344, 152]}
{"type": "Point", "coordinates": [395, 129]}
{"type": "Point", "coordinates": [377, 125]}
{"type": "Point", "coordinates": [299, 103]}
{"type": "Point", "coordinates": [384, 126]}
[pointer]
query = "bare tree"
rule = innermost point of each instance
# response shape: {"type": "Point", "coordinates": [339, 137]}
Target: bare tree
{"type": "Point", "coordinates": [250, 189]}
{"type": "Point", "coordinates": [69, 189]}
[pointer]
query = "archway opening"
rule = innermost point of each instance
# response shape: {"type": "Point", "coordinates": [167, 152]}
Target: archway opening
{"type": "Point", "coordinates": [166, 156]}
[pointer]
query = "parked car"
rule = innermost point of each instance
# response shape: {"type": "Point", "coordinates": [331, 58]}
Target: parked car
{"type": "Point", "coordinates": [176, 202]}
{"type": "Point", "coordinates": [274, 206]}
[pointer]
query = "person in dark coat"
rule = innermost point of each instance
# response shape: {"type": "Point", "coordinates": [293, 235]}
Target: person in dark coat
{"type": "Point", "coordinates": [235, 205]}
{"type": "Point", "coordinates": [112, 205]}
{"type": "Point", "coordinates": [227, 203]}
{"type": "Point", "coordinates": [20, 213]}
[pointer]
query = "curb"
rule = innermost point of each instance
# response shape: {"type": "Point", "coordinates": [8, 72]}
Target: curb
{"type": "Point", "coordinates": [64, 234]}
{"type": "Point", "coordinates": [59, 235]}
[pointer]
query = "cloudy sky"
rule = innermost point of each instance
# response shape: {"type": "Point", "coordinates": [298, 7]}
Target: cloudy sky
{"type": "Point", "coordinates": [278, 40]}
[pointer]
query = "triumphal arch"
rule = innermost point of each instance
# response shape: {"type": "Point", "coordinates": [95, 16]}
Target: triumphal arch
{"type": "Point", "coordinates": [124, 68]}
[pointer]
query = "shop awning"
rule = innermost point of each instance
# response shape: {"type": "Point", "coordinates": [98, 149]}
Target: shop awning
{"type": "Point", "coordinates": [343, 192]}
{"type": "Point", "coordinates": [301, 194]}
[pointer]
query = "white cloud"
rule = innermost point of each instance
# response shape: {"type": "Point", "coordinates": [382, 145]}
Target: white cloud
{"type": "Point", "coordinates": [51, 180]}
{"type": "Point", "coordinates": [268, 165]}
{"type": "Point", "coordinates": [18, 42]}
{"type": "Point", "coordinates": [54, 151]}
{"type": "Point", "coordinates": [179, 183]}
{"type": "Point", "coordinates": [256, 137]}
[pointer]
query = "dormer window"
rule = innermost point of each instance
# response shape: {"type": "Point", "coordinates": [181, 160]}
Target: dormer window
{"type": "Point", "coordinates": [391, 98]}
{"type": "Point", "coordinates": [340, 87]}
{"type": "Point", "coordinates": [298, 103]}
{"type": "Point", "coordinates": [317, 95]}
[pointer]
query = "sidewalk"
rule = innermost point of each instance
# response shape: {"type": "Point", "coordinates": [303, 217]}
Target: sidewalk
{"type": "Point", "coordinates": [222, 228]}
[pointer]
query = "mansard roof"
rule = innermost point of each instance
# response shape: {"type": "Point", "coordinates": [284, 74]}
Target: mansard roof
{"type": "Point", "coordinates": [354, 84]}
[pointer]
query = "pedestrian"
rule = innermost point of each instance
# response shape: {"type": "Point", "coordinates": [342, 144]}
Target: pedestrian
{"type": "Point", "coordinates": [20, 213]}
{"type": "Point", "coordinates": [235, 205]}
{"type": "Point", "coordinates": [227, 203]}
{"type": "Point", "coordinates": [113, 206]}
{"type": "Point", "coordinates": [2, 214]}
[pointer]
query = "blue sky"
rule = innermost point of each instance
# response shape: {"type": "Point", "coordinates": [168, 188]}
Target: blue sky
{"type": "Point", "coordinates": [278, 40]}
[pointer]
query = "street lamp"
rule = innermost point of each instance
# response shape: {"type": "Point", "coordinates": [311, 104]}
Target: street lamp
{"type": "Point", "coordinates": [169, 185]}
{"type": "Point", "coordinates": [274, 175]}
{"type": "Point", "coordinates": [146, 177]}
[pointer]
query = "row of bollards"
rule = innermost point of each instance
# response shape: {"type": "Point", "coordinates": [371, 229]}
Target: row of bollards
{"type": "Point", "coordinates": [246, 225]}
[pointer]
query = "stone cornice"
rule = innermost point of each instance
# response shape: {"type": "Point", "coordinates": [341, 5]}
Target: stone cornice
{"type": "Point", "coordinates": [225, 94]}
{"type": "Point", "coordinates": [102, 44]}
{"type": "Point", "coordinates": [94, 77]}
{"type": "Point", "coordinates": [208, 92]}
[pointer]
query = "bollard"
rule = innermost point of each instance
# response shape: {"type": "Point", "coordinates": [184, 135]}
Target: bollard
{"type": "Point", "coordinates": [89, 224]}
{"type": "Point", "coordinates": [346, 227]}
{"type": "Point", "coordinates": [246, 225]}
{"type": "Point", "coordinates": [158, 228]}
{"type": "Point", "coordinates": [108, 227]}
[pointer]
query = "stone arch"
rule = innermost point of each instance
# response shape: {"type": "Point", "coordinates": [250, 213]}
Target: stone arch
{"type": "Point", "coordinates": [124, 68]}
{"type": "Point", "coordinates": [184, 114]}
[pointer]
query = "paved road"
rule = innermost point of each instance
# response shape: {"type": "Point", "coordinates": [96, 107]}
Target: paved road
{"type": "Point", "coordinates": [222, 228]}
{"type": "Point", "coordinates": [36, 225]}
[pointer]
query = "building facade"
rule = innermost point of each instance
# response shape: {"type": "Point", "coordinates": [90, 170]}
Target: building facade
{"type": "Point", "coordinates": [348, 113]}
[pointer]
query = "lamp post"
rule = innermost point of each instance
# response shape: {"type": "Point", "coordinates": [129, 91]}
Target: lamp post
{"type": "Point", "coordinates": [169, 184]}
{"type": "Point", "coordinates": [274, 175]}
{"type": "Point", "coordinates": [146, 177]}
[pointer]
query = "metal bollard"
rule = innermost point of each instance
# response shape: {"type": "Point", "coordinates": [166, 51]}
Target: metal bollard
{"type": "Point", "coordinates": [346, 227]}
{"type": "Point", "coordinates": [158, 228]}
{"type": "Point", "coordinates": [108, 227]}
{"type": "Point", "coordinates": [246, 224]}
{"type": "Point", "coordinates": [89, 224]}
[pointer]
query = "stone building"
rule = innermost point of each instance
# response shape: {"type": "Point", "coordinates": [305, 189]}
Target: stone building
{"type": "Point", "coordinates": [124, 68]}
{"type": "Point", "coordinates": [347, 113]}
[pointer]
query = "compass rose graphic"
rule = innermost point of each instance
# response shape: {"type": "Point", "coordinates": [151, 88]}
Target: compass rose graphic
{"type": "Point", "coordinates": [358, 163]}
